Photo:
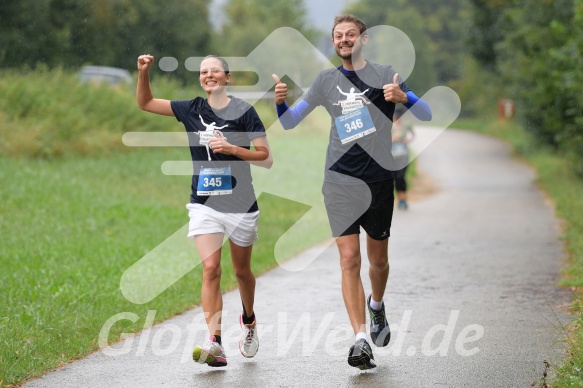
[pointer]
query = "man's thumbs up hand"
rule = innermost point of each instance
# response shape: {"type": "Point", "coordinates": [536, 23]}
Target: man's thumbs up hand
{"type": "Point", "coordinates": [280, 90]}
{"type": "Point", "coordinates": [393, 92]}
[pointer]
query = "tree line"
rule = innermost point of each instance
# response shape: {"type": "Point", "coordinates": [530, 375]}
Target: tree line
{"type": "Point", "coordinates": [72, 33]}
{"type": "Point", "coordinates": [535, 50]}
{"type": "Point", "coordinates": [530, 51]}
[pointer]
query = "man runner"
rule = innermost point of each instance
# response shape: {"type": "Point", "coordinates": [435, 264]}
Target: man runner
{"type": "Point", "coordinates": [358, 180]}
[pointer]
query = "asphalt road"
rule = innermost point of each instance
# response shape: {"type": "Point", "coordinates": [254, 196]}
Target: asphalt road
{"type": "Point", "coordinates": [472, 298]}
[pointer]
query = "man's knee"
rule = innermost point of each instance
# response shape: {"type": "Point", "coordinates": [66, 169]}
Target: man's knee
{"type": "Point", "coordinates": [350, 260]}
{"type": "Point", "coordinates": [350, 266]}
{"type": "Point", "coordinates": [379, 263]}
{"type": "Point", "coordinates": [349, 249]}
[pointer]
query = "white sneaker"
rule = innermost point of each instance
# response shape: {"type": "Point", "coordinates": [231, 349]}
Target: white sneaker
{"type": "Point", "coordinates": [211, 353]}
{"type": "Point", "coordinates": [249, 342]}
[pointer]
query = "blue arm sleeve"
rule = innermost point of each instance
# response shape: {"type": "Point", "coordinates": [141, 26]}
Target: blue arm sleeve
{"type": "Point", "coordinates": [290, 117]}
{"type": "Point", "coordinates": [418, 107]}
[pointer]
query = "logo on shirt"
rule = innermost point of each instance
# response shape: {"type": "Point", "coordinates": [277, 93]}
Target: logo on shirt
{"type": "Point", "coordinates": [354, 100]}
{"type": "Point", "coordinates": [211, 131]}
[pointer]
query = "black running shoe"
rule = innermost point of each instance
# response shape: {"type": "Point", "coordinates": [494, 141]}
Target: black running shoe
{"type": "Point", "coordinates": [380, 333]}
{"type": "Point", "coordinates": [360, 356]}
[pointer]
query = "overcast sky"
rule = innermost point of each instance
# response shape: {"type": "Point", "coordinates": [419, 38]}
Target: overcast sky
{"type": "Point", "coordinates": [320, 12]}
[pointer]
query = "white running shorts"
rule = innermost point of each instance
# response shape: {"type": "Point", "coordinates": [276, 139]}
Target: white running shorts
{"type": "Point", "coordinates": [240, 228]}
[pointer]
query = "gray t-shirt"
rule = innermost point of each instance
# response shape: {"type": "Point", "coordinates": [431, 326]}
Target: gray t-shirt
{"type": "Point", "coordinates": [359, 111]}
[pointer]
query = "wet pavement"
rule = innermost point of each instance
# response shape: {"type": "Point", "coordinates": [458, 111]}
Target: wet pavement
{"type": "Point", "coordinates": [472, 297]}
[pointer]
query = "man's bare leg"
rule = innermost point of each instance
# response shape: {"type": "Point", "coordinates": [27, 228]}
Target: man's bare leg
{"type": "Point", "coordinates": [352, 290]}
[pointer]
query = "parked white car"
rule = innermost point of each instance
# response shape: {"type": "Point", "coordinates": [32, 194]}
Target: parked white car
{"type": "Point", "coordinates": [103, 74]}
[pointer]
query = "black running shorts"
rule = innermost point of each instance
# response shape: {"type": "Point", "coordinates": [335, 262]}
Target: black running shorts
{"type": "Point", "coordinates": [368, 205]}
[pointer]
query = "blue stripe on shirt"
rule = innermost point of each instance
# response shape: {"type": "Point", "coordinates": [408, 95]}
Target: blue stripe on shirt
{"type": "Point", "coordinates": [291, 117]}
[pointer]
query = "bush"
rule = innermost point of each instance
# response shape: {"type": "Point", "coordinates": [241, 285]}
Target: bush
{"type": "Point", "coordinates": [51, 113]}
